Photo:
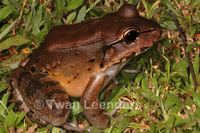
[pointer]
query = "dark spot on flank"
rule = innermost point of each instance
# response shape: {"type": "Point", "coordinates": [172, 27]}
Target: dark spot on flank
{"type": "Point", "coordinates": [51, 93]}
{"type": "Point", "coordinates": [133, 53]}
{"type": "Point", "coordinates": [75, 77]}
{"type": "Point", "coordinates": [33, 69]}
{"type": "Point", "coordinates": [68, 81]}
{"type": "Point", "coordinates": [91, 60]}
{"type": "Point", "coordinates": [101, 65]}
{"type": "Point", "coordinates": [89, 69]}
{"type": "Point", "coordinates": [40, 75]}
{"type": "Point", "coordinates": [19, 103]}
{"type": "Point", "coordinates": [46, 72]}
{"type": "Point", "coordinates": [23, 75]}
{"type": "Point", "coordinates": [37, 60]}
{"type": "Point", "coordinates": [45, 85]}
{"type": "Point", "coordinates": [49, 83]}
{"type": "Point", "coordinates": [33, 86]}
{"type": "Point", "coordinates": [53, 65]}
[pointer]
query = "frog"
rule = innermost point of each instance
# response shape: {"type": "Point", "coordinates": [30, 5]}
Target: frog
{"type": "Point", "coordinates": [79, 60]}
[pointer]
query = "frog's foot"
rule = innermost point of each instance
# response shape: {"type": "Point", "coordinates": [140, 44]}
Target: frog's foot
{"type": "Point", "coordinates": [72, 127]}
{"type": "Point", "coordinates": [114, 79]}
{"type": "Point", "coordinates": [114, 111]}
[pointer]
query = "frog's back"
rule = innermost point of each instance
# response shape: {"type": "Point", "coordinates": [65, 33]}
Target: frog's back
{"type": "Point", "coordinates": [80, 34]}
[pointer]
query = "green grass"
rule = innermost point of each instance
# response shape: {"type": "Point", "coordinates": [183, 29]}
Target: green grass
{"type": "Point", "coordinates": [162, 96]}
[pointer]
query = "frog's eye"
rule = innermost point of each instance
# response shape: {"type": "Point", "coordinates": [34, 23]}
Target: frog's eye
{"type": "Point", "coordinates": [130, 35]}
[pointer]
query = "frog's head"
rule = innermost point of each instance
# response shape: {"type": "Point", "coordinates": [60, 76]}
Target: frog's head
{"type": "Point", "coordinates": [134, 34]}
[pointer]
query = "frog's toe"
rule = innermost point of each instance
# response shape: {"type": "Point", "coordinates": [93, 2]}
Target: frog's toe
{"type": "Point", "coordinates": [72, 127]}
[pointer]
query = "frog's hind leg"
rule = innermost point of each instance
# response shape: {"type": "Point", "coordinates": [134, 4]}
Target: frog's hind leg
{"type": "Point", "coordinates": [42, 94]}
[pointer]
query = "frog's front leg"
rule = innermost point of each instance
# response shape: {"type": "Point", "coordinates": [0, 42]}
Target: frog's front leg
{"type": "Point", "coordinates": [90, 103]}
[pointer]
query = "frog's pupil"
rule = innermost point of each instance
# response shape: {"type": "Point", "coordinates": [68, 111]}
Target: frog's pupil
{"type": "Point", "coordinates": [131, 35]}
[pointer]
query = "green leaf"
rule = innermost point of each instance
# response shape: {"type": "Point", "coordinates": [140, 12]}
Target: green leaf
{"type": "Point", "coordinates": [40, 36]}
{"type": "Point", "coordinates": [146, 9]}
{"type": "Point", "coordinates": [189, 124]}
{"type": "Point", "coordinates": [73, 4]}
{"type": "Point", "coordinates": [120, 125]}
{"type": "Point", "coordinates": [59, 7]}
{"type": "Point", "coordinates": [145, 84]}
{"type": "Point", "coordinates": [170, 7]}
{"type": "Point", "coordinates": [11, 118]}
{"type": "Point", "coordinates": [149, 95]}
{"type": "Point", "coordinates": [4, 12]}
{"type": "Point", "coordinates": [36, 20]}
{"type": "Point", "coordinates": [196, 98]}
{"type": "Point", "coordinates": [76, 108]}
{"type": "Point", "coordinates": [13, 61]}
{"type": "Point", "coordinates": [56, 130]}
{"type": "Point", "coordinates": [170, 122]}
{"type": "Point", "coordinates": [48, 19]}
{"type": "Point", "coordinates": [180, 121]}
{"type": "Point", "coordinates": [4, 101]}
{"type": "Point", "coordinates": [154, 82]}
{"type": "Point", "coordinates": [168, 103]}
{"type": "Point", "coordinates": [115, 94]}
{"type": "Point", "coordinates": [20, 118]}
{"type": "Point", "coordinates": [197, 113]}
{"type": "Point", "coordinates": [134, 113]}
{"type": "Point", "coordinates": [180, 66]}
{"type": "Point", "coordinates": [71, 17]}
{"type": "Point", "coordinates": [4, 85]}
{"type": "Point", "coordinates": [81, 14]}
{"type": "Point", "coordinates": [17, 40]}
{"type": "Point", "coordinates": [139, 77]}
{"type": "Point", "coordinates": [196, 65]}
{"type": "Point", "coordinates": [6, 2]}
{"type": "Point", "coordinates": [152, 127]}
{"type": "Point", "coordinates": [174, 99]}
{"type": "Point", "coordinates": [11, 106]}
{"type": "Point", "coordinates": [28, 18]}
{"type": "Point", "coordinates": [7, 30]}
{"type": "Point", "coordinates": [193, 31]}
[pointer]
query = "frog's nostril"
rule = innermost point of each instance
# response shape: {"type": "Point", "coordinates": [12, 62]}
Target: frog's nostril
{"type": "Point", "coordinates": [160, 32]}
{"type": "Point", "coordinates": [33, 69]}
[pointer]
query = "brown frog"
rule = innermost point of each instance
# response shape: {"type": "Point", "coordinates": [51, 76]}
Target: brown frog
{"type": "Point", "coordinates": [78, 61]}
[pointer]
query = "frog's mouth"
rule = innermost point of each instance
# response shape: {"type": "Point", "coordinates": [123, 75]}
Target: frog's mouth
{"type": "Point", "coordinates": [144, 49]}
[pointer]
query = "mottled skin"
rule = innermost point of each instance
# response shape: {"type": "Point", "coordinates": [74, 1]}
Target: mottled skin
{"type": "Point", "coordinates": [79, 60]}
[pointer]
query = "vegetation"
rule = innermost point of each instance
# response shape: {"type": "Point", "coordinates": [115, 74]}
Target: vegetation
{"type": "Point", "coordinates": [162, 95]}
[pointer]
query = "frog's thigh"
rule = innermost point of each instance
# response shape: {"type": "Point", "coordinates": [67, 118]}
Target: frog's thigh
{"type": "Point", "coordinates": [46, 97]}
{"type": "Point", "coordinates": [90, 102]}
